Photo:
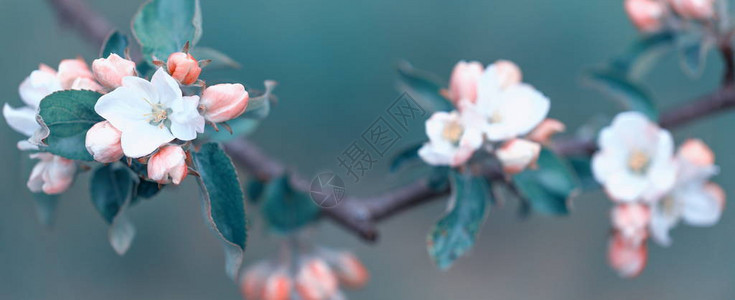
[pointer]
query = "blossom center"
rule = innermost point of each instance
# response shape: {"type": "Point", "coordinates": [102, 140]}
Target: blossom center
{"type": "Point", "coordinates": [496, 117]}
{"type": "Point", "coordinates": [453, 132]}
{"type": "Point", "coordinates": [668, 206]}
{"type": "Point", "coordinates": [638, 161]}
{"type": "Point", "coordinates": [158, 115]}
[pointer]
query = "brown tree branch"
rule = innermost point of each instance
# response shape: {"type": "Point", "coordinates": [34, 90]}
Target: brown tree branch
{"type": "Point", "coordinates": [360, 215]}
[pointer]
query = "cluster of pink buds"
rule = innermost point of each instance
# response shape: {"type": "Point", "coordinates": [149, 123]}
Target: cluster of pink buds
{"type": "Point", "coordinates": [312, 276]}
{"type": "Point", "coordinates": [650, 15]}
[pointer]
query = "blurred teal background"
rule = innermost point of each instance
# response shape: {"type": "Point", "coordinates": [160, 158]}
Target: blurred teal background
{"type": "Point", "coordinates": [335, 61]}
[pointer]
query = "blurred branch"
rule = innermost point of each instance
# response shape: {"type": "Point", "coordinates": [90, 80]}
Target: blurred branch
{"type": "Point", "coordinates": [80, 17]}
{"type": "Point", "coordinates": [360, 215]}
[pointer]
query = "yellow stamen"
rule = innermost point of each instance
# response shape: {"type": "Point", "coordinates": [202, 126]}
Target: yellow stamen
{"type": "Point", "coordinates": [638, 161]}
{"type": "Point", "coordinates": [453, 132]}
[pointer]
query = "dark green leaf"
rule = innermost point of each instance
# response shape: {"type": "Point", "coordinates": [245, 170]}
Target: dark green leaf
{"type": "Point", "coordinates": [582, 167]}
{"type": "Point", "coordinates": [644, 53]}
{"type": "Point", "coordinates": [163, 27]}
{"type": "Point", "coordinates": [457, 231]}
{"type": "Point", "coordinates": [223, 202]}
{"type": "Point", "coordinates": [255, 189]}
{"type": "Point", "coordinates": [116, 43]}
{"type": "Point", "coordinates": [423, 87]}
{"type": "Point", "coordinates": [218, 59]}
{"type": "Point", "coordinates": [144, 69]}
{"type": "Point", "coordinates": [259, 105]}
{"type": "Point", "coordinates": [550, 186]}
{"type": "Point", "coordinates": [439, 178]}
{"type": "Point", "coordinates": [68, 115]}
{"type": "Point", "coordinates": [406, 155]}
{"type": "Point", "coordinates": [693, 48]}
{"type": "Point", "coordinates": [147, 189]}
{"type": "Point", "coordinates": [286, 209]}
{"type": "Point", "coordinates": [630, 95]}
{"type": "Point", "coordinates": [111, 191]}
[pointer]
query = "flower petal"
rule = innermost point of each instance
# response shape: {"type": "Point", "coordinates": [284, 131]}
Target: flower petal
{"type": "Point", "coordinates": [700, 208]}
{"type": "Point", "coordinates": [124, 106]}
{"type": "Point", "coordinates": [625, 187]}
{"type": "Point", "coordinates": [185, 118]}
{"type": "Point", "coordinates": [166, 86]}
{"type": "Point", "coordinates": [37, 86]}
{"type": "Point", "coordinates": [22, 120]}
{"type": "Point", "coordinates": [141, 139]}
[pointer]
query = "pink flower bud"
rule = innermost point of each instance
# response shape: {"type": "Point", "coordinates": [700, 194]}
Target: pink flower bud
{"type": "Point", "coordinates": [543, 132]}
{"type": "Point", "coordinates": [508, 72]}
{"type": "Point", "coordinates": [463, 83]}
{"type": "Point", "coordinates": [70, 70]}
{"type": "Point", "coordinates": [645, 14]}
{"type": "Point", "coordinates": [627, 259]}
{"type": "Point", "coordinates": [183, 67]}
{"type": "Point", "coordinates": [52, 175]}
{"type": "Point", "coordinates": [350, 271]}
{"type": "Point", "coordinates": [716, 191]}
{"type": "Point", "coordinates": [82, 83]}
{"type": "Point", "coordinates": [277, 287]}
{"type": "Point", "coordinates": [168, 165]}
{"type": "Point", "coordinates": [315, 281]}
{"type": "Point", "coordinates": [223, 102]}
{"type": "Point", "coordinates": [254, 280]}
{"type": "Point", "coordinates": [103, 142]}
{"type": "Point", "coordinates": [694, 9]}
{"type": "Point", "coordinates": [46, 69]}
{"type": "Point", "coordinates": [697, 153]}
{"type": "Point", "coordinates": [111, 70]}
{"type": "Point", "coordinates": [517, 154]}
{"type": "Point", "coordinates": [631, 221]}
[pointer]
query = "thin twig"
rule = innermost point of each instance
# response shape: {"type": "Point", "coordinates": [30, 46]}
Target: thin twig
{"type": "Point", "coordinates": [360, 215]}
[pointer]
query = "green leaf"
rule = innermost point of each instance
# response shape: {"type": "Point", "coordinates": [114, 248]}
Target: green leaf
{"type": "Point", "coordinates": [223, 202]}
{"type": "Point", "coordinates": [286, 209]}
{"type": "Point", "coordinates": [582, 167]}
{"type": "Point", "coordinates": [111, 191]}
{"type": "Point", "coordinates": [259, 105]}
{"type": "Point", "coordinates": [218, 59]}
{"type": "Point", "coordinates": [644, 53]}
{"type": "Point", "coordinates": [693, 48]}
{"type": "Point", "coordinates": [406, 155]}
{"type": "Point", "coordinates": [550, 186]}
{"type": "Point", "coordinates": [146, 189]}
{"type": "Point", "coordinates": [423, 87]}
{"type": "Point", "coordinates": [255, 189]}
{"type": "Point", "coordinates": [116, 43]}
{"type": "Point", "coordinates": [630, 95]}
{"type": "Point", "coordinates": [163, 27]}
{"type": "Point", "coordinates": [68, 115]}
{"type": "Point", "coordinates": [456, 232]}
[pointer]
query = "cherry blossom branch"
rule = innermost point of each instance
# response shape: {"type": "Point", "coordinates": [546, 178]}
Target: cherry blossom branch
{"type": "Point", "coordinates": [361, 215]}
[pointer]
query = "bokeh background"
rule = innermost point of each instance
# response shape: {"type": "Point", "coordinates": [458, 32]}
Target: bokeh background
{"type": "Point", "coordinates": [335, 62]}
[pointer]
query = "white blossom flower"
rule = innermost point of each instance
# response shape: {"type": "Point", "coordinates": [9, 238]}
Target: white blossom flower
{"type": "Point", "coordinates": [453, 138]}
{"type": "Point", "coordinates": [694, 200]}
{"type": "Point", "coordinates": [150, 114]}
{"type": "Point", "coordinates": [32, 90]}
{"type": "Point", "coordinates": [509, 108]}
{"type": "Point", "coordinates": [635, 161]}
{"type": "Point", "coordinates": [73, 74]}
